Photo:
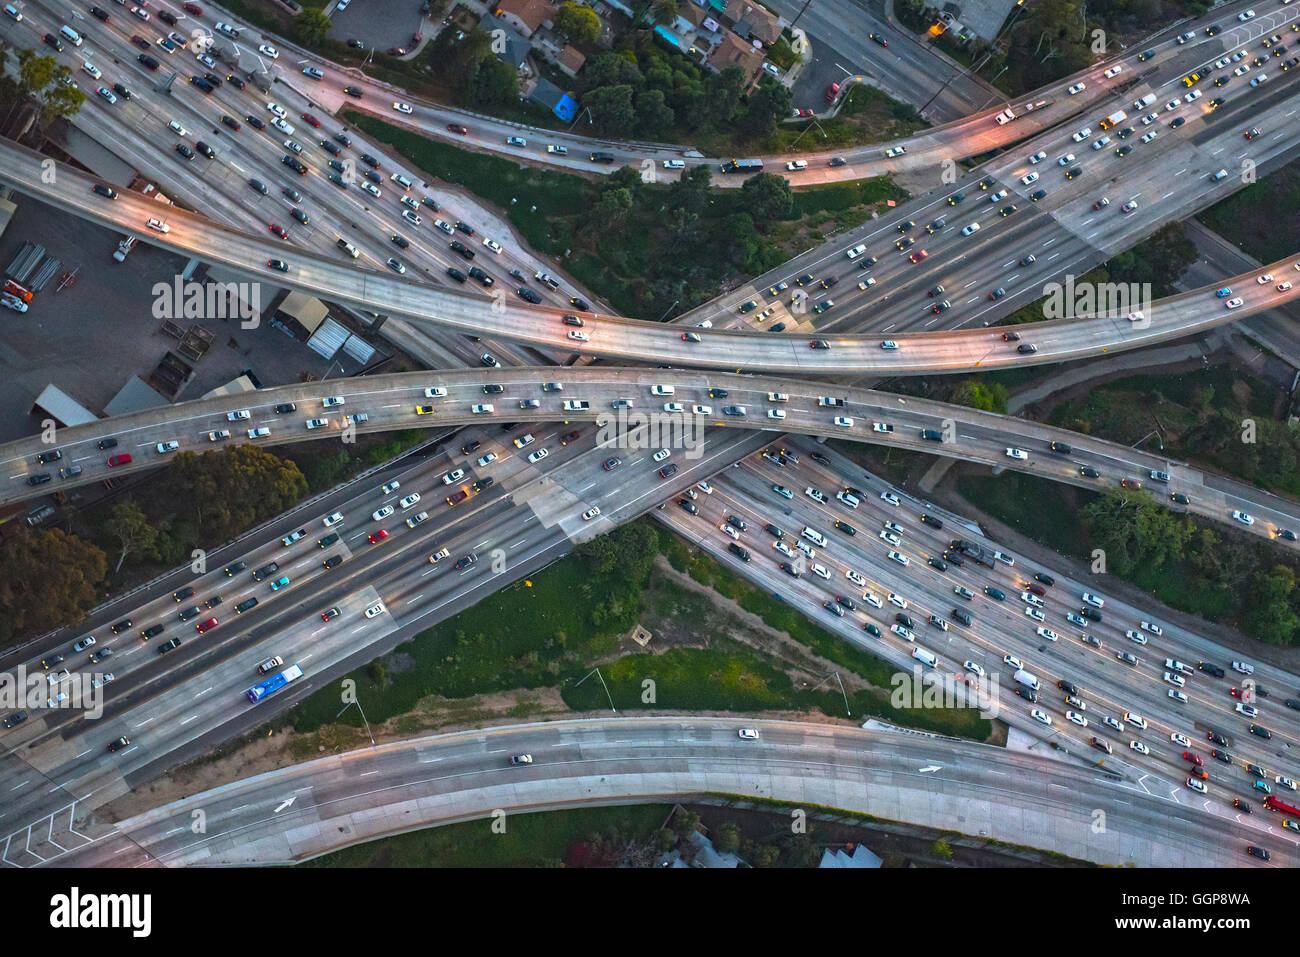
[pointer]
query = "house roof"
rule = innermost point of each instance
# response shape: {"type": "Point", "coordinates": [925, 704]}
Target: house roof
{"type": "Point", "coordinates": [733, 51]}
{"type": "Point", "coordinates": [692, 14]}
{"type": "Point", "coordinates": [571, 57]}
{"type": "Point", "coordinates": [754, 21]}
{"type": "Point", "coordinates": [532, 13]}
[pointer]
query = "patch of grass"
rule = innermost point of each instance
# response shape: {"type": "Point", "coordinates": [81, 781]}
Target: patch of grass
{"type": "Point", "coordinates": [887, 461]}
{"type": "Point", "coordinates": [1264, 218]}
{"type": "Point", "coordinates": [1038, 508]}
{"type": "Point", "coordinates": [529, 840]}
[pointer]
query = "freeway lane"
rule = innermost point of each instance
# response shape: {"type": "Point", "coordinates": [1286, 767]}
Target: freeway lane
{"type": "Point", "coordinates": [392, 402]}
{"type": "Point", "coordinates": [955, 351]}
{"type": "Point", "coordinates": [1005, 795]}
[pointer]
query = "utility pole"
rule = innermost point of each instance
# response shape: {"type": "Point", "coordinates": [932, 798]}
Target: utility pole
{"type": "Point", "coordinates": [800, 13]}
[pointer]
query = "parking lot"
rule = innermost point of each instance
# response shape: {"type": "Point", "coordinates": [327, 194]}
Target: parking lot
{"type": "Point", "coordinates": [93, 336]}
{"type": "Point", "coordinates": [380, 24]}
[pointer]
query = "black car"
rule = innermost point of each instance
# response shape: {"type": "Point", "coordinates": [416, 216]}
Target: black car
{"type": "Point", "coordinates": [579, 304]}
{"type": "Point", "coordinates": [528, 295]}
{"type": "Point", "coordinates": [292, 193]}
{"type": "Point", "coordinates": [147, 61]}
{"type": "Point", "coordinates": [167, 17]}
{"type": "Point", "coordinates": [938, 563]}
{"type": "Point", "coordinates": [99, 13]}
{"type": "Point", "coordinates": [183, 593]}
{"type": "Point", "coordinates": [904, 620]}
{"type": "Point", "coordinates": [1210, 669]}
{"type": "Point", "coordinates": [933, 522]}
{"type": "Point", "coordinates": [329, 147]}
{"type": "Point", "coordinates": [52, 41]}
{"type": "Point", "coordinates": [1177, 122]}
{"type": "Point", "coordinates": [464, 228]}
{"type": "Point", "coordinates": [465, 562]}
{"type": "Point", "coordinates": [493, 388]}
{"type": "Point", "coordinates": [956, 198]}
{"type": "Point", "coordinates": [280, 409]}
{"type": "Point", "coordinates": [459, 247]}
{"type": "Point", "coordinates": [258, 185]}
{"type": "Point", "coordinates": [1045, 579]}
{"type": "Point", "coordinates": [483, 278]}
{"type": "Point", "coordinates": [1215, 738]}
{"type": "Point", "coordinates": [739, 552]}
{"type": "Point", "coordinates": [1069, 687]}
{"type": "Point", "coordinates": [119, 744]}
{"type": "Point", "coordinates": [201, 83]}
{"type": "Point", "coordinates": [102, 190]}
{"type": "Point", "coordinates": [774, 530]}
{"type": "Point", "coordinates": [230, 123]}
{"type": "Point", "coordinates": [1260, 731]}
{"type": "Point", "coordinates": [1259, 852]}
{"type": "Point", "coordinates": [294, 164]}
{"type": "Point", "coordinates": [846, 528]}
{"type": "Point", "coordinates": [299, 215]}
{"type": "Point", "coordinates": [40, 478]}
{"type": "Point", "coordinates": [235, 81]}
{"type": "Point", "coordinates": [167, 646]}
{"type": "Point", "coordinates": [121, 91]}
{"type": "Point", "coordinates": [236, 567]}
{"type": "Point", "coordinates": [455, 274]}
{"type": "Point", "coordinates": [213, 79]}
{"type": "Point", "coordinates": [353, 91]}
{"type": "Point", "coordinates": [184, 151]}
{"type": "Point", "coordinates": [1087, 471]}
{"type": "Point", "coordinates": [15, 719]}
{"type": "Point", "coordinates": [205, 149]}
{"type": "Point", "coordinates": [369, 160]}
{"type": "Point", "coordinates": [483, 483]}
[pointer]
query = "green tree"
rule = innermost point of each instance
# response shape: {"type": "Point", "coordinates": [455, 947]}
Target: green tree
{"type": "Point", "coordinates": [723, 91]}
{"type": "Point", "coordinates": [989, 397]}
{"type": "Point", "coordinates": [311, 27]}
{"type": "Point", "coordinates": [726, 839]}
{"type": "Point", "coordinates": [494, 83]}
{"type": "Point", "coordinates": [654, 117]}
{"type": "Point", "coordinates": [225, 492]}
{"type": "Point", "coordinates": [767, 196]}
{"type": "Point", "coordinates": [772, 101]}
{"type": "Point", "coordinates": [664, 11]}
{"type": "Point", "coordinates": [611, 69]}
{"type": "Point", "coordinates": [1270, 613]}
{"type": "Point", "coordinates": [611, 110]}
{"type": "Point", "coordinates": [578, 23]}
{"type": "Point", "coordinates": [613, 208]}
{"type": "Point", "coordinates": [132, 530]}
{"type": "Point", "coordinates": [47, 578]}
{"type": "Point", "coordinates": [941, 848]}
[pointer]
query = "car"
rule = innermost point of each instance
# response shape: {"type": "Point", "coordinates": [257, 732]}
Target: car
{"type": "Point", "coordinates": [1177, 696]}
{"type": "Point", "coordinates": [973, 667]}
{"type": "Point", "coordinates": [1077, 88]}
{"type": "Point", "coordinates": [1076, 718]}
{"type": "Point", "coordinates": [1285, 782]}
{"type": "Point", "coordinates": [1196, 785]}
{"type": "Point", "coordinates": [1019, 454]}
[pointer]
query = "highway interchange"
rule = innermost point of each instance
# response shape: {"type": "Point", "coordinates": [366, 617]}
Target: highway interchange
{"type": "Point", "coordinates": [552, 511]}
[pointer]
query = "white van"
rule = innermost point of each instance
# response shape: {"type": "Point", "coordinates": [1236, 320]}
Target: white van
{"type": "Point", "coordinates": [662, 390]}
{"type": "Point", "coordinates": [925, 657]}
{"type": "Point", "coordinates": [814, 536]}
{"type": "Point", "coordinates": [1143, 103]}
{"type": "Point", "coordinates": [71, 35]}
{"type": "Point", "coordinates": [401, 180]}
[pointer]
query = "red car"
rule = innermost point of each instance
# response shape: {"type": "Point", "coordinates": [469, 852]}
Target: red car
{"type": "Point", "coordinates": [1194, 758]}
{"type": "Point", "coordinates": [209, 624]}
{"type": "Point", "coordinates": [312, 120]}
{"type": "Point", "coordinates": [568, 437]}
{"type": "Point", "coordinates": [278, 231]}
{"type": "Point", "coordinates": [378, 536]}
{"type": "Point", "coordinates": [397, 51]}
{"type": "Point", "coordinates": [917, 256]}
{"type": "Point", "coordinates": [832, 91]}
{"type": "Point", "coordinates": [1235, 692]}
{"type": "Point", "coordinates": [116, 460]}
{"type": "Point", "coordinates": [805, 112]}
{"type": "Point", "coordinates": [140, 41]}
{"type": "Point", "coordinates": [457, 128]}
{"type": "Point", "coordinates": [194, 8]}
{"type": "Point", "coordinates": [416, 38]}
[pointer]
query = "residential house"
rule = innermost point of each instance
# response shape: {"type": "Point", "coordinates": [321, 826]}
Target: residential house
{"type": "Point", "coordinates": [526, 16]}
{"type": "Point", "coordinates": [733, 51]}
{"type": "Point", "coordinates": [752, 21]}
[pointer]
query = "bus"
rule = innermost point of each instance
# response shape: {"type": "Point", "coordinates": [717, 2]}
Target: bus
{"type": "Point", "coordinates": [273, 684]}
{"type": "Point", "coordinates": [1277, 804]}
{"type": "Point", "coordinates": [742, 166]}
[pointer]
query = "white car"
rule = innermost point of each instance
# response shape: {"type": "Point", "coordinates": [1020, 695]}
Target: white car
{"type": "Point", "coordinates": [1013, 661]}
{"type": "Point", "coordinates": [873, 601]}
{"type": "Point", "coordinates": [1259, 79]}
{"type": "Point", "coordinates": [238, 415]}
{"type": "Point", "coordinates": [269, 51]}
{"type": "Point", "coordinates": [1194, 95]}
{"type": "Point", "coordinates": [1249, 710]}
{"type": "Point", "coordinates": [218, 434]}
{"type": "Point", "coordinates": [537, 456]}
{"type": "Point", "coordinates": [493, 245]}
{"type": "Point", "coordinates": [577, 335]}
{"type": "Point", "coordinates": [894, 599]}
{"type": "Point", "coordinates": [895, 151]}
{"type": "Point", "coordinates": [1196, 785]}
{"type": "Point", "coordinates": [1177, 696]}
{"type": "Point", "coordinates": [748, 734]}
{"type": "Point", "coordinates": [1243, 517]}
{"type": "Point", "coordinates": [795, 166]}
{"type": "Point", "coordinates": [408, 500]}
{"type": "Point", "coordinates": [277, 109]}
{"type": "Point", "coordinates": [1113, 72]}
{"type": "Point", "coordinates": [1113, 723]}
{"type": "Point", "coordinates": [728, 530]}
{"type": "Point", "coordinates": [1241, 70]}
{"type": "Point", "coordinates": [806, 549]}
{"type": "Point", "coordinates": [776, 413]}
{"type": "Point", "coordinates": [777, 397]}
{"type": "Point", "coordinates": [165, 447]}
{"type": "Point", "coordinates": [1148, 137]}
{"type": "Point", "coordinates": [1065, 160]}
{"type": "Point", "coordinates": [158, 226]}
{"type": "Point", "coordinates": [844, 422]}
{"type": "Point", "coordinates": [375, 610]}
{"type": "Point", "coordinates": [93, 71]}
{"type": "Point", "coordinates": [282, 126]}
{"type": "Point", "coordinates": [435, 392]}
{"type": "Point", "coordinates": [1030, 177]}
{"type": "Point", "coordinates": [889, 497]}
{"type": "Point", "coordinates": [1285, 782]}
{"type": "Point", "coordinates": [389, 488]}
{"type": "Point", "coordinates": [1264, 279]}
{"type": "Point", "coordinates": [1103, 141]}
{"type": "Point", "coordinates": [1082, 135]}
{"type": "Point", "coordinates": [1139, 747]}
{"type": "Point", "coordinates": [1132, 635]}
{"type": "Point", "coordinates": [1031, 599]}
{"type": "Point", "coordinates": [455, 475]}
{"type": "Point", "coordinates": [1077, 718]}
{"type": "Point", "coordinates": [402, 107]}
{"type": "Point", "coordinates": [84, 643]}
{"type": "Point", "coordinates": [1041, 717]}
{"type": "Point", "coordinates": [1077, 88]}
{"type": "Point", "coordinates": [487, 459]}
{"type": "Point", "coordinates": [783, 548]}
{"type": "Point", "coordinates": [704, 487]}
{"type": "Point", "coordinates": [1233, 303]}
{"type": "Point", "coordinates": [1136, 720]}
{"type": "Point", "coordinates": [1179, 739]}
{"type": "Point", "coordinates": [1242, 668]}
{"type": "Point", "coordinates": [1033, 613]}
{"type": "Point", "coordinates": [1148, 119]}
{"type": "Point", "coordinates": [900, 558]}
{"type": "Point", "coordinates": [661, 455]}
{"type": "Point", "coordinates": [334, 519]}
{"type": "Point", "coordinates": [1173, 105]}
{"type": "Point", "coordinates": [383, 512]}
{"type": "Point", "coordinates": [820, 571]}
{"type": "Point", "coordinates": [971, 666]}
{"type": "Point", "coordinates": [783, 491]}
{"type": "Point", "coordinates": [1038, 157]}
{"type": "Point", "coordinates": [1136, 316]}
{"type": "Point", "coordinates": [1019, 454]}
{"type": "Point", "coordinates": [854, 577]}
{"type": "Point", "coordinates": [1046, 633]}
{"type": "Point", "coordinates": [702, 409]}
{"type": "Point", "coordinates": [1175, 679]}
{"type": "Point", "coordinates": [1248, 15]}
{"type": "Point", "coordinates": [674, 407]}
{"type": "Point", "coordinates": [1151, 627]}
{"type": "Point", "coordinates": [891, 538]}
{"type": "Point", "coordinates": [1284, 286]}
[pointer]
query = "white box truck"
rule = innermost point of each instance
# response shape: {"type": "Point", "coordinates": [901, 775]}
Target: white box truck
{"type": "Point", "coordinates": [1025, 678]}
